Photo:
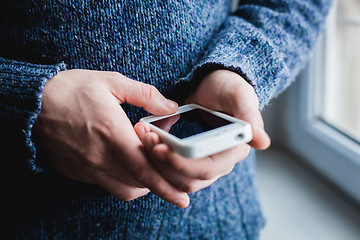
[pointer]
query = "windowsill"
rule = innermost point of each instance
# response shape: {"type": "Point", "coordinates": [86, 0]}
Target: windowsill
{"type": "Point", "coordinates": [300, 205]}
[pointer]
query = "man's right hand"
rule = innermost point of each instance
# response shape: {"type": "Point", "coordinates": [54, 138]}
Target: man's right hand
{"type": "Point", "coordinates": [87, 136]}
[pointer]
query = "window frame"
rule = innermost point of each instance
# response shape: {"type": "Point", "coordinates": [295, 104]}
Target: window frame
{"type": "Point", "coordinates": [328, 150]}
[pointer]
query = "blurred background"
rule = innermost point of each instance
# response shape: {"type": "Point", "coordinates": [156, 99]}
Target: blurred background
{"type": "Point", "coordinates": [309, 179]}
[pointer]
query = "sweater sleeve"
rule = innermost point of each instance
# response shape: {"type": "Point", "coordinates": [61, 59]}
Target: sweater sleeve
{"type": "Point", "coordinates": [267, 42]}
{"type": "Point", "coordinates": [21, 86]}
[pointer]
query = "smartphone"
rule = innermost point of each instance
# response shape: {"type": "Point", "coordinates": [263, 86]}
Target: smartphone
{"type": "Point", "coordinates": [195, 131]}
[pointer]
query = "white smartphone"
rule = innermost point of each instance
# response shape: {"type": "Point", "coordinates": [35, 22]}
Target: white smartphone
{"type": "Point", "coordinates": [195, 131]}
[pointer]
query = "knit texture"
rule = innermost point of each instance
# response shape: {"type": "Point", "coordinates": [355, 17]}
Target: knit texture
{"type": "Point", "coordinates": [169, 44]}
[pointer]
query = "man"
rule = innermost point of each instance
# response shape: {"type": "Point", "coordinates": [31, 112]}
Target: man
{"type": "Point", "coordinates": [74, 75]}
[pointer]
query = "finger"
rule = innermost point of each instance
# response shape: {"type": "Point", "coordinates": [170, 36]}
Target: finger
{"type": "Point", "coordinates": [203, 168]}
{"type": "Point", "coordinates": [261, 139]}
{"type": "Point", "coordinates": [141, 129]}
{"type": "Point", "coordinates": [108, 166]}
{"type": "Point", "coordinates": [119, 189]}
{"type": "Point", "coordinates": [183, 182]}
{"type": "Point", "coordinates": [142, 95]}
{"type": "Point", "coordinates": [150, 140]}
{"type": "Point", "coordinates": [166, 123]}
{"type": "Point", "coordinates": [143, 171]}
{"type": "Point", "coordinates": [244, 104]}
{"type": "Point", "coordinates": [118, 172]}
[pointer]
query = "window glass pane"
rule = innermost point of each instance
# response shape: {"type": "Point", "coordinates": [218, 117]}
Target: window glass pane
{"type": "Point", "coordinates": [341, 86]}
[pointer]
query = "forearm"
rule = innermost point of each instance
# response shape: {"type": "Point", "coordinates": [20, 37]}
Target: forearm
{"type": "Point", "coordinates": [266, 43]}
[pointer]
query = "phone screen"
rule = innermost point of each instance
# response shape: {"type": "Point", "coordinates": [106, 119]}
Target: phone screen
{"type": "Point", "coordinates": [190, 123]}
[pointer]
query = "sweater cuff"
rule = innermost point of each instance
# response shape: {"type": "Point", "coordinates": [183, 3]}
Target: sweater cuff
{"type": "Point", "coordinates": [267, 44]}
{"type": "Point", "coordinates": [20, 93]}
{"type": "Point", "coordinates": [241, 49]}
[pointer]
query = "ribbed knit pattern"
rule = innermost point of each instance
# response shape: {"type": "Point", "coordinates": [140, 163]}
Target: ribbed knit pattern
{"type": "Point", "coordinates": [169, 44]}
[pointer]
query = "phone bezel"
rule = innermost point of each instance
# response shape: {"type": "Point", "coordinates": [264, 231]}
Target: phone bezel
{"type": "Point", "coordinates": [204, 143]}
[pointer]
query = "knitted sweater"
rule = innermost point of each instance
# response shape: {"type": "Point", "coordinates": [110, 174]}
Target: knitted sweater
{"type": "Point", "coordinates": [169, 44]}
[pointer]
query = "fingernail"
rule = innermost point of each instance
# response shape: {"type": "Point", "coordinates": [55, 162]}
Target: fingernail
{"type": "Point", "coordinates": [170, 104]}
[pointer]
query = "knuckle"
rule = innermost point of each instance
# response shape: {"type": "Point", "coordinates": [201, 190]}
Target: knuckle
{"type": "Point", "coordinates": [111, 77]}
{"type": "Point", "coordinates": [139, 173]}
{"type": "Point", "coordinates": [207, 175]}
{"type": "Point", "coordinates": [93, 153]}
{"type": "Point", "coordinates": [178, 166]}
{"type": "Point", "coordinates": [148, 91]}
{"type": "Point", "coordinates": [94, 160]}
{"type": "Point", "coordinates": [114, 75]}
{"type": "Point", "coordinates": [189, 187]}
{"type": "Point", "coordinates": [234, 94]}
{"type": "Point", "coordinates": [105, 129]}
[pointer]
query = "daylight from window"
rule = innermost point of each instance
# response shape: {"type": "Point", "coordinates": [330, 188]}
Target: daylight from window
{"type": "Point", "coordinates": [341, 84]}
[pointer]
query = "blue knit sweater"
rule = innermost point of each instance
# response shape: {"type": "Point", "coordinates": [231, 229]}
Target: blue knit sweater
{"type": "Point", "coordinates": [169, 44]}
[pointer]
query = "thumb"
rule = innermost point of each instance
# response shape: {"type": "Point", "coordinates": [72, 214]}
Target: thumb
{"type": "Point", "coordinates": [261, 139]}
{"type": "Point", "coordinates": [143, 95]}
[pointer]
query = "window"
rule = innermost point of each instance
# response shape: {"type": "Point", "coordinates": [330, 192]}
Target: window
{"type": "Point", "coordinates": [324, 104]}
{"type": "Point", "coordinates": [341, 83]}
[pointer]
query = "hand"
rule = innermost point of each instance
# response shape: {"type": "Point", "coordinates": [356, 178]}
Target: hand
{"type": "Point", "coordinates": [87, 136]}
{"type": "Point", "coordinates": [228, 92]}
{"type": "Point", "coordinates": [223, 91]}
